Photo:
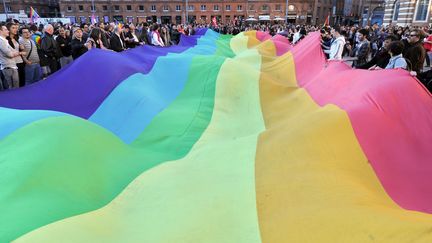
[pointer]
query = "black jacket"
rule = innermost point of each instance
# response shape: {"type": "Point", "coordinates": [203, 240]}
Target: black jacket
{"type": "Point", "coordinates": [381, 59]}
{"type": "Point", "coordinates": [175, 36]}
{"type": "Point", "coordinates": [65, 45]}
{"type": "Point", "coordinates": [131, 43]}
{"type": "Point", "coordinates": [78, 48]}
{"type": "Point", "coordinates": [50, 48]}
{"type": "Point", "coordinates": [116, 44]}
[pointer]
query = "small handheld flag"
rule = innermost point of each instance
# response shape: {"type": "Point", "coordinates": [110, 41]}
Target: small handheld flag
{"type": "Point", "coordinates": [327, 21]}
{"type": "Point", "coordinates": [93, 19]}
{"type": "Point", "coordinates": [33, 15]}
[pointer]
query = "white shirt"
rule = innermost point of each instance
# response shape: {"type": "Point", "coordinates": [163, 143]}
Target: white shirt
{"type": "Point", "coordinates": [156, 41]}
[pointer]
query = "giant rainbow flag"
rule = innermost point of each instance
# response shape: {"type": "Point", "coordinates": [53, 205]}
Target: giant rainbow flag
{"type": "Point", "coordinates": [219, 139]}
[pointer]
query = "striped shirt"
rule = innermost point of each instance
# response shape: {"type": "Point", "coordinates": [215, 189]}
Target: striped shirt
{"type": "Point", "coordinates": [28, 43]}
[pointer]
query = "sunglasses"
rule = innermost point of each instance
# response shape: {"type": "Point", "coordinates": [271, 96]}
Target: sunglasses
{"type": "Point", "coordinates": [412, 35]}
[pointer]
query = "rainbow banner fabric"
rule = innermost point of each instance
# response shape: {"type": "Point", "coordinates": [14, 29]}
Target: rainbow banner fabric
{"type": "Point", "coordinates": [219, 139]}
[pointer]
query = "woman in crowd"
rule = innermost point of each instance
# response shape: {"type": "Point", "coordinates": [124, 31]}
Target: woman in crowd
{"type": "Point", "coordinates": [397, 60]}
{"type": "Point", "coordinates": [156, 38]}
{"type": "Point", "coordinates": [13, 42]}
{"type": "Point", "coordinates": [95, 39]}
{"type": "Point", "coordinates": [165, 36]}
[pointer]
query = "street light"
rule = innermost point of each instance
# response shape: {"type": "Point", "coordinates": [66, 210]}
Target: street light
{"type": "Point", "coordinates": [4, 6]}
{"type": "Point", "coordinates": [187, 12]}
{"type": "Point", "coordinates": [334, 12]}
{"type": "Point", "coordinates": [93, 13]}
{"type": "Point", "coordinates": [286, 12]}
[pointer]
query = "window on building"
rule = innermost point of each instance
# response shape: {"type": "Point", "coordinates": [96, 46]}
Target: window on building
{"type": "Point", "coordinates": [92, 8]}
{"type": "Point", "coordinates": [153, 8]}
{"type": "Point", "coordinates": [80, 8]}
{"type": "Point", "coordinates": [191, 7]}
{"type": "Point", "coordinates": [278, 7]}
{"type": "Point", "coordinates": [228, 7]}
{"type": "Point", "coordinates": [203, 7]}
{"type": "Point", "coordinates": [69, 8]}
{"type": "Point", "coordinates": [251, 7]}
{"type": "Point", "coordinates": [105, 8]}
{"type": "Point", "coordinates": [116, 8]}
{"type": "Point", "coordinates": [216, 7]}
{"type": "Point", "coordinates": [178, 7]}
{"type": "Point", "coordinates": [128, 7]}
{"type": "Point", "coordinates": [265, 7]}
{"type": "Point", "coordinates": [422, 10]}
{"type": "Point", "coordinates": [239, 7]}
{"type": "Point", "coordinates": [165, 8]}
{"type": "Point", "coordinates": [141, 8]}
{"type": "Point", "coordinates": [396, 11]}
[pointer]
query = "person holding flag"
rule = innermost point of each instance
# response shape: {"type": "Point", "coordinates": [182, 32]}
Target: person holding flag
{"type": "Point", "coordinates": [93, 19]}
{"type": "Point", "coordinates": [214, 22]}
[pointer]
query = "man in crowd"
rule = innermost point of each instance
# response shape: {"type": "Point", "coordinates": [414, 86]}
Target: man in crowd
{"type": "Point", "coordinates": [50, 49]}
{"type": "Point", "coordinates": [337, 45]}
{"type": "Point", "coordinates": [117, 42]}
{"type": "Point", "coordinates": [86, 31]}
{"type": "Point", "coordinates": [381, 59]}
{"type": "Point", "coordinates": [78, 44]}
{"type": "Point", "coordinates": [175, 35]}
{"type": "Point", "coordinates": [7, 61]}
{"type": "Point", "coordinates": [414, 51]}
{"type": "Point", "coordinates": [64, 42]}
{"type": "Point", "coordinates": [31, 59]}
{"type": "Point", "coordinates": [375, 39]}
{"type": "Point", "coordinates": [361, 51]}
{"type": "Point", "coordinates": [131, 37]}
{"type": "Point", "coordinates": [105, 40]}
{"type": "Point", "coordinates": [143, 38]}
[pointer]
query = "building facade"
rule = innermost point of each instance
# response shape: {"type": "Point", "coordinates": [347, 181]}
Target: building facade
{"type": "Point", "coordinates": [408, 12]}
{"type": "Point", "coordinates": [372, 12]}
{"type": "Point", "coordinates": [45, 8]}
{"type": "Point", "coordinates": [176, 11]}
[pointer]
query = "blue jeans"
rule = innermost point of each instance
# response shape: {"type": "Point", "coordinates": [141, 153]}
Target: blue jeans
{"type": "Point", "coordinates": [32, 73]}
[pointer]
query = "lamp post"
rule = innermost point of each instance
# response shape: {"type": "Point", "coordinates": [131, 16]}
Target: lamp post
{"type": "Point", "coordinates": [93, 6]}
{"type": "Point", "coordinates": [286, 12]}
{"type": "Point", "coordinates": [334, 12]}
{"type": "Point", "coordinates": [4, 6]}
{"type": "Point", "coordinates": [187, 10]}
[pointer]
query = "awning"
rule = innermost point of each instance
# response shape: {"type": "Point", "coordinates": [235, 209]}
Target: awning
{"type": "Point", "coordinates": [251, 19]}
{"type": "Point", "coordinates": [264, 17]}
{"type": "Point", "coordinates": [278, 19]}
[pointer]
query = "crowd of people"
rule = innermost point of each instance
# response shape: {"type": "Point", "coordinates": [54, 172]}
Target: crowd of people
{"type": "Point", "coordinates": [375, 48]}
{"type": "Point", "coordinates": [29, 53]}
